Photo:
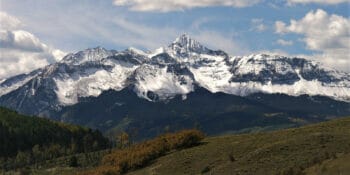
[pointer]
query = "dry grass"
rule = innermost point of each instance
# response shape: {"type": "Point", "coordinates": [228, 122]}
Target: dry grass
{"type": "Point", "coordinates": [140, 155]}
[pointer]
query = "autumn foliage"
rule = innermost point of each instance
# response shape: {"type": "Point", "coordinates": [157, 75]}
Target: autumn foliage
{"type": "Point", "coordinates": [139, 155]}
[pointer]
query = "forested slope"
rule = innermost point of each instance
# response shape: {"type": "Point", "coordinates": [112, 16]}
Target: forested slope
{"type": "Point", "coordinates": [27, 140]}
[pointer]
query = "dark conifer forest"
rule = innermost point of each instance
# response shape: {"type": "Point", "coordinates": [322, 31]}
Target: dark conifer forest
{"type": "Point", "coordinates": [28, 140]}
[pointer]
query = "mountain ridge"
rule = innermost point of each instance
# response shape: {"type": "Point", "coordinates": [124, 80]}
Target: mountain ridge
{"type": "Point", "coordinates": [179, 86]}
{"type": "Point", "coordinates": [165, 73]}
{"type": "Point", "coordinates": [214, 70]}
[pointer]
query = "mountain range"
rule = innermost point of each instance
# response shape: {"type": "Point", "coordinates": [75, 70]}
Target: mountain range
{"type": "Point", "coordinates": [182, 85]}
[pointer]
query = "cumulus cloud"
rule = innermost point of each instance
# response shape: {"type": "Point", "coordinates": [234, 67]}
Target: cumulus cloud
{"type": "Point", "coordinates": [171, 5]}
{"type": "Point", "coordinates": [328, 2]}
{"type": "Point", "coordinates": [283, 42]}
{"type": "Point", "coordinates": [21, 51]}
{"type": "Point", "coordinates": [324, 33]}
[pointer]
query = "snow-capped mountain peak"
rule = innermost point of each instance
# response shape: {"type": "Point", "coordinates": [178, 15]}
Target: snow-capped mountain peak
{"type": "Point", "coordinates": [170, 71]}
{"type": "Point", "coordinates": [88, 55]}
{"type": "Point", "coordinates": [185, 40]}
{"type": "Point", "coordinates": [184, 46]}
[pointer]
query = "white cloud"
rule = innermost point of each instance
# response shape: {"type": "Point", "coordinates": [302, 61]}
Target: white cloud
{"type": "Point", "coordinates": [280, 27]}
{"type": "Point", "coordinates": [258, 25]}
{"type": "Point", "coordinates": [328, 2]}
{"type": "Point", "coordinates": [14, 62]}
{"type": "Point", "coordinates": [21, 51]}
{"type": "Point", "coordinates": [9, 22]}
{"type": "Point", "coordinates": [172, 5]}
{"type": "Point", "coordinates": [284, 42]}
{"type": "Point", "coordinates": [324, 33]}
{"type": "Point", "coordinates": [21, 40]}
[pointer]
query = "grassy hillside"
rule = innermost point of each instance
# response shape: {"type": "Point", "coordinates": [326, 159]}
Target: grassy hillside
{"type": "Point", "coordinates": [338, 165]}
{"type": "Point", "coordinates": [322, 148]}
{"type": "Point", "coordinates": [119, 160]}
{"type": "Point", "coordinates": [29, 140]}
{"type": "Point", "coordinates": [292, 151]}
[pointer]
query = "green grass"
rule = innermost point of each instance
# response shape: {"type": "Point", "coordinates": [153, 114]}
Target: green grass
{"type": "Point", "coordinates": [290, 151]}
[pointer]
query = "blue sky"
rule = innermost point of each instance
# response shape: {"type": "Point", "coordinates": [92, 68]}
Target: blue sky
{"type": "Point", "coordinates": [238, 27]}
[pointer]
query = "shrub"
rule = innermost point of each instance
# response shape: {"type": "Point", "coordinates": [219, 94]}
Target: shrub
{"type": "Point", "coordinates": [139, 155]}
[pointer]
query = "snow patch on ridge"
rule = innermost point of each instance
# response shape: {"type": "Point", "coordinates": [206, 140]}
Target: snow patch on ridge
{"type": "Point", "coordinates": [137, 51]}
{"type": "Point", "coordinates": [156, 52]}
{"type": "Point", "coordinates": [214, 75]}
{"type": "Point", "coordinates": [212, 72]}
{"type": "Point", "coordinates": [5, 89]}
{"type": "Point", "coordinates": [71, 89]}
{"type": "Point", "coordinates": [88, 55]}
{"type": "Point", "coordinates": [161, 82]}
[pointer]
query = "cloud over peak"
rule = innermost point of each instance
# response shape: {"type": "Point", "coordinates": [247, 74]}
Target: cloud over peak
{"type": "Point", "coordinates": [171, 5]}
{"type": "Point", "coordinates": [20, 50]}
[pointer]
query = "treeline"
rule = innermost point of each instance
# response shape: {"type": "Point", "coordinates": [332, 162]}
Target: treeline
{"type": "Point", "coordinates": [28, 140]}
{"type": "Point", "coordinates": [139, 155]}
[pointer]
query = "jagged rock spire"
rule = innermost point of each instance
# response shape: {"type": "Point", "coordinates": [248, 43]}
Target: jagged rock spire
{"type": "Point", "coordinates": [184, 44]}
